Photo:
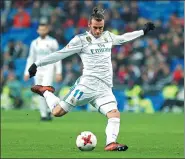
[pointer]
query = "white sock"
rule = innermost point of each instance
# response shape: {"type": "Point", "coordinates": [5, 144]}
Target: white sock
{"type": "Point", "coordinates": [51, 99]}
{"type": "Point", "coordinates": [43, 107]}
{"type": "Point", "coordinates": [112, 130]}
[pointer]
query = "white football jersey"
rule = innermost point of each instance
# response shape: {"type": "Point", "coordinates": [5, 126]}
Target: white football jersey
{"type": "Point", "coordinates": [96, 56]}
{"type": "Point", "coordinates": [95, 53]}
{"type": "Point", "coordinates": [39, 49]}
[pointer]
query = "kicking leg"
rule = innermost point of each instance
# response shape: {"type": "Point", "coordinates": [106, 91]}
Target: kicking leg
{"type": "Point", "coordinates": [57, 108]}
{"type": "Point", "coordinates": [47, 80]}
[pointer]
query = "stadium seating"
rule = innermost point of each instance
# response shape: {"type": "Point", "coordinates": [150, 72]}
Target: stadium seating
{"type": "Point", "coordinates": [160, 10]}
{"type": "Point", "coordinates": [175, 62]}
{"type": "Point", "coordinates": [20, 66]}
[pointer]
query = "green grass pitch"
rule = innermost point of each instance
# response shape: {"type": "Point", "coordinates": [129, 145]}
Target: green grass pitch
{"type": "Point", "coordinates": [148, 136]}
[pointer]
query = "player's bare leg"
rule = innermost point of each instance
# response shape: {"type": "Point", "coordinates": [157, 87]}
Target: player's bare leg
{"type": "Point", "coordinates": [112, 131]}
{"type": "Point", "coordinates": [53, 102]}
{"type": "Point", "coordinates": [58, 111]}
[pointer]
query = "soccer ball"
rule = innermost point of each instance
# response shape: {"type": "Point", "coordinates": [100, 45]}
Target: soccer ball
{"type": "Point", "coordinates": [86, 141]}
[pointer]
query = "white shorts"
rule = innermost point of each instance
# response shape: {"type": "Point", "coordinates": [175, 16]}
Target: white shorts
{"type": "Point", "coordinates": [45, 77]}
{"type": "Point", "coordinates": [101, 97]}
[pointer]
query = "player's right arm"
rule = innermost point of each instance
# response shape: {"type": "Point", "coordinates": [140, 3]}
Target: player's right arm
{"type": "Point", "coordinates": [74, 46]}
{"type": "Point", "coordinates": [31, 59]}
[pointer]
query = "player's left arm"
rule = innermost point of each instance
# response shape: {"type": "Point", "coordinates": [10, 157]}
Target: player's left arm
{"type": "Point", "coordinates": [58, 65]}
{"type": "Point", "coordinates": [120, 39]}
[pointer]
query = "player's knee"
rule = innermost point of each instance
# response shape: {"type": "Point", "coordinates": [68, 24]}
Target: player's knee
{"type": "Point", "coordinates": [113, 114]}
{"type": "Point", "coordinates": [58, 111]}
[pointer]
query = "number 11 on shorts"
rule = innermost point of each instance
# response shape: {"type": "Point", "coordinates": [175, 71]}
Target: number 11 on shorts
{"type": "Point", "coordinates": [77, 92]}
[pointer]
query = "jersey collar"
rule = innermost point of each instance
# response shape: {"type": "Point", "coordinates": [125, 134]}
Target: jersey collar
{"type": "Point", "coordinates": [44, 38]}
{"type": "Point", "coordinates": [88, 32]}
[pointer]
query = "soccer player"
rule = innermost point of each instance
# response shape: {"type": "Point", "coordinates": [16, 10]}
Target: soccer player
{"type": "Point", "coordinates": [95, 84]}
{"type": "Point", "coordinates": [41, 47]}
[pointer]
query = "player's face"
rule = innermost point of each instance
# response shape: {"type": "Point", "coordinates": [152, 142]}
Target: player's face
{"type": "Point", "coordinates": [43, 31]}
{"type": "Point", "coordinates": [96, 27]}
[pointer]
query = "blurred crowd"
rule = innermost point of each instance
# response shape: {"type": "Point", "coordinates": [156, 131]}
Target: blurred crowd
{"type": "Point", "coordinates": [146, 61]}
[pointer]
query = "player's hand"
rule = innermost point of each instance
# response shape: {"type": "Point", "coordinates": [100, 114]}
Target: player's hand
{"type": "Point", "coordinates": [58, 77]}
{"type": "Point", "coordinates": [32, 70]}
{"type": "Point", "coordinates": [26, 77]}
{"type": "Point", "coordinates": [148, 26]}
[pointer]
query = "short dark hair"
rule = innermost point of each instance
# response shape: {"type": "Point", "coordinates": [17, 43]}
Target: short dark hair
{"type": "Point", "coordinates": [98, 14]}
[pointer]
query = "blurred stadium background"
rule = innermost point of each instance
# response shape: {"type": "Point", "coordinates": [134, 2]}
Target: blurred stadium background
{"type": "Point", "coordinates": [148, 72]}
